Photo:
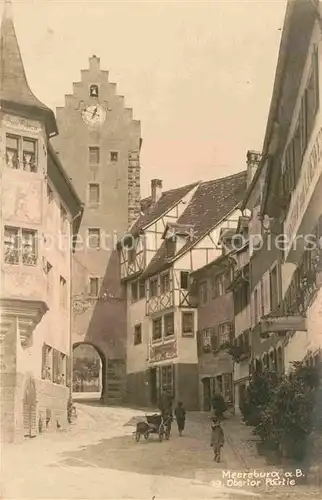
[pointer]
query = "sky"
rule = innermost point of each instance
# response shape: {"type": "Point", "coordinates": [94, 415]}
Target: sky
{"type": "Point", "coordinates": [198, 74]}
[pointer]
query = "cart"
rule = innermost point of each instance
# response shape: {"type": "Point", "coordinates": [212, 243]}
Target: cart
{"type": "Point", "coordinates": [154, 424]}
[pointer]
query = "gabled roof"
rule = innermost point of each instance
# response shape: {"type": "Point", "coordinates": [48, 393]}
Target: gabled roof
{"type": "Point", "coordinates": [211, 203]}
{"type": "Point", "coordinates": [167, 201]}
{"type": "Point", "coordinates": [15, 94]}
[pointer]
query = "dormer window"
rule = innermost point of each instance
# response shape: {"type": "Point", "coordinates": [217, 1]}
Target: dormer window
{"type": "Point", "coordinates": [170, 248]}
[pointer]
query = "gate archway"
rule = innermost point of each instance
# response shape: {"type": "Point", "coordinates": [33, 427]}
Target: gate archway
{"type": "Point", "coordinates": [30, 408]}
{"type": "Point", "coordinates": [82, 380]}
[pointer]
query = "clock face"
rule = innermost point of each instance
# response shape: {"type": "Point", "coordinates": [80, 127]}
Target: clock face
{"type": "Point", "coordinates": [94, 114]}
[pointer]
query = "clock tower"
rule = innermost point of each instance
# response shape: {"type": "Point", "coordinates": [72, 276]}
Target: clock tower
{"type": "Point", "coordinates": [99, 143]}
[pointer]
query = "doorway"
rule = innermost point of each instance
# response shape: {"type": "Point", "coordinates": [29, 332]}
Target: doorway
{"type": "Point", "coordinates": [29, 409]}
{"type": "Point", "coordinates": [241, 395]}
{"type": "Point", "coordinates": [206, 394]}
{"type": "Point", "coordinates": [153, 385]}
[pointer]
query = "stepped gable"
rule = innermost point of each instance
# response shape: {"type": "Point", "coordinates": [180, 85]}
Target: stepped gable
{"type": "Point", "coordinates": [167, 200]}
{"type": "Point", "coordinates": [15, 94]}
{"type": "Point", "coordinates": [211, 203]}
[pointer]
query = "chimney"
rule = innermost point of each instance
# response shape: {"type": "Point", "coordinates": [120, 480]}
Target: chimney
{"type": "Point", "coordinates": [253, 161]}
{"type": "Point", "coordinates": [156, 190]}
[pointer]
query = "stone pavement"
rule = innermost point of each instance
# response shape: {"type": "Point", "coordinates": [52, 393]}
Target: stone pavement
{"type": "Point", "coordinates": [98, 458]}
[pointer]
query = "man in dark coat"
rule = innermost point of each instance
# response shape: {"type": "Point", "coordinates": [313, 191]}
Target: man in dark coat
{"type": "Point", "coordinates": [165, 407]}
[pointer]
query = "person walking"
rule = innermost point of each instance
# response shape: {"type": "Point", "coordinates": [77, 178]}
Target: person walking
{"type": "Point", "coordinates": [165, 407]}
{"type": "Point", "coordinates": [180, 414]}
{"type": "Point", "coordinates": [217, 439]}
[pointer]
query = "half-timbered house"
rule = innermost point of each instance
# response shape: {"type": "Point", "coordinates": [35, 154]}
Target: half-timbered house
{"type": "Point", "coordinates": [168, 242]}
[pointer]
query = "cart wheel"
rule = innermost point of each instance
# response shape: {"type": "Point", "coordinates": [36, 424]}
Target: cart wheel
{"type": "Point", "coordinates": [137, 436]}
{"type": "Point", "coordinates": [146, 435]}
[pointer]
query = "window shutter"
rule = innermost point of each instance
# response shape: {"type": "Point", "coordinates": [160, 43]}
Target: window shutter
{"type": "Point", "coordinates": [214, 339]}
{"type": "Point", "coordinates": [68, 372]}
{"type": "Point", "coordinates": [43, 361]}
{"type": "Point", "coordinates": [199, 343]}
{"type": "Point", "coordinates": [55, 366]}
{"type": "Point", "coordinates": [173, 380]}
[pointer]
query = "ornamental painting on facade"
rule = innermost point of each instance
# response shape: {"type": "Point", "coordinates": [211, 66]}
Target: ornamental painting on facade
{"type": "Point", "coordinates": [163, 352]}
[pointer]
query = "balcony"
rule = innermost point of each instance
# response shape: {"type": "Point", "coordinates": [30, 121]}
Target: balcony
{"type": "Point", "coordinates": [281, 325]}
{"type": "Point", "coordinates": [24, 315]}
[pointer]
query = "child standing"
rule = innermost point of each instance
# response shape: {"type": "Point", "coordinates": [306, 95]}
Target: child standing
{"type": "Point", "coordinates": [217, 438]}
{"type": "Point", "coordinates": [180, 414]}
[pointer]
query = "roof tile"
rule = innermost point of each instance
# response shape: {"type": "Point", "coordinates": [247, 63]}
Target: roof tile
{"type": "Point", "coordinates": [212, 201]}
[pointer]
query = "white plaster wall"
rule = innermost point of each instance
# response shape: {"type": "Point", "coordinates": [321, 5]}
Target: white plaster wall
{"type": "Point", "coordinates": [242, 320]}
{"type": "Point", "coordinates": [136, 354]}
{"type": "Point", "coordinates": [302, 342]}
{"type": "Point", "coordinates": [54, 328]}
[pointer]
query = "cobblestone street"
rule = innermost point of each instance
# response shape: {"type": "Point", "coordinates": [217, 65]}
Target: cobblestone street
{"type": "Point", "coordinates": [99, 458]}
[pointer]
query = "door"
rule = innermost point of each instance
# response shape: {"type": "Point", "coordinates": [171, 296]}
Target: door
{"type": "Point", "coordinates": [242, 395]}
{"type": "Point", "coordinates": [153, 386]}
{"type": "Point", "coordinates": [206, 394]}
{"type": "Point", "coordinates": [29, 409]}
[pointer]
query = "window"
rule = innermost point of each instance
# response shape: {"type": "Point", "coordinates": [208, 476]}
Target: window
{"type": "Point", "coordinates": [167, 378]}
{"type": "Point", "coordinates": [164, 283]}
{"type": "Point", "coordinates": [29, 155]}
{"type": "Point", "coordinates": [94, 287]}
{"type": "Point", "coordinates": [157, 329]}
{"type": "Point", "coordinates": [134, 291]}
{"type": "Point", "coordinates": [138, 334]}
{"type": "Point", "coordinates": [94, 193]}
{"type": "Point", "coordinates": [203, 292]}
{"type": "Point", "coordinates": [169, 324]}
{"type": "Point", "coordinates": [94, 238]}
{"type": "Point", "coordinates": [141, 289]}
{"type": "Point", "coordinates": [219, 285]}
{"type": "Point", "coordinates": [187, 324]}
{"type": "Point", "coordinates": [206, 339]}
{"type": "Point", "coordinates": [93, 91]}
{"type": "Point", "coordinates": [154, 287]}
{"type": "Point", "coordinates": [114, 156]}
{"type": "Point", "coordinates": [184, 280]}
{"type": "Point", "coordinates": [170, 248]}
{"type": "Point", "coordinates": [273, 289]}
{"type": "Point", "coordinates": [20, 245]}
{"type": "Point", "coordinates": [11, 245]}
{"type": "Point", "coordinates": [63, 293]}
{"type": "Point", "coordinates": [21, 152]}
{"type": "Point", "coordinates": [46, 370]}
{"type": "Point", "coordinates": [312, 95]}
{"type": "Point", "coordinates": [12, 151]}
{"type": "Point", "coordinates": [28, 247]}
{"type": "Point", "coordinates": [94, 155]}
{"type": "Point", "coordinates": [224, 332]}
{"type": "Point", "coordinates": [63, 219]}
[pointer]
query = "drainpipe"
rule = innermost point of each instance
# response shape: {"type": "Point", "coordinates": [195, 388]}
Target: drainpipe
{"type": "Point", "coordinates": [71, 237]}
